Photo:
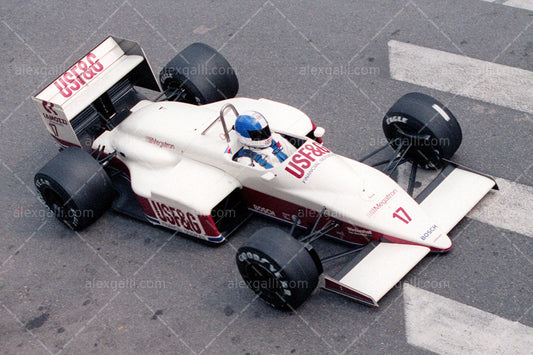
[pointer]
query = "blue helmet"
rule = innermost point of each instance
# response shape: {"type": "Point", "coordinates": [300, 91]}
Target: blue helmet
{"type": "Point", "coordinates": [253, 130]}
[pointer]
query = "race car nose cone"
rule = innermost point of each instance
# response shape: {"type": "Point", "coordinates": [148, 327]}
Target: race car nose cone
{"type": "Point", "coordinates": [442, 242]}
{"type": "Point", "coordinates": [435, 238]}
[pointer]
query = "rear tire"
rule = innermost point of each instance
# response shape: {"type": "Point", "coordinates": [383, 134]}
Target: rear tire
{"type": "Point", "coordinates": [204, 75]}
{"type": "Point", "coordinates": [426, 124]}
{"type": "Point", "coordinates": [280, 269]}
{"type": "Point", "coordinates": [75, 187]}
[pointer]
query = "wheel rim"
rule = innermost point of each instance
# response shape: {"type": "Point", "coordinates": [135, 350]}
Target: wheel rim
{"type": "Point", "coordinates": [263, 282]}
{"type": "Point", "coordinates": [58, 206]}
{"type": "Point", "coordinates": [426, 155]}
{"type": "Point", "coordinates": [405, 131]}
{"type": "Point", "coordinates": [185, 96]}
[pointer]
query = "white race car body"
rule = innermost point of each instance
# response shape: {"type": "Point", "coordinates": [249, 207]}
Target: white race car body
{"type": "Point", "coordinates": [180, 164]}
{"type": "Point", "coordinates": [173, 165]}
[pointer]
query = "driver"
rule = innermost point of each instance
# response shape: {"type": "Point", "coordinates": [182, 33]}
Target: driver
{"type": "Point", "coordinates": [261, 147]}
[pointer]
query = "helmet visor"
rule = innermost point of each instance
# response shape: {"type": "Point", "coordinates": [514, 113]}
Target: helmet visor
{"type": "Point", "coordinates": [260, 134]}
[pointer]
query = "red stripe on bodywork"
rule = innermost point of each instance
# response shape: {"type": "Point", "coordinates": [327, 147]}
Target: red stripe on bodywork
{"type": "Point", "coordinates": [209, 226]}
{"type": "Point", "coordinates": [284, 210]}
{"type": "Point", "coordinates": [146, 206]}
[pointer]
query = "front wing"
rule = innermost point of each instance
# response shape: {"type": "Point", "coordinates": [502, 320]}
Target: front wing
{"type": "Point", "coordinates": [368, 277]}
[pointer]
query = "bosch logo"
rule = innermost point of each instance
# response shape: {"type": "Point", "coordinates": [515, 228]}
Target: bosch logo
{"type": "Point", "coordinates": [264, 210]}
{"type": "Point", "coordinates": [77, 76]}
{"type": "Point", "coordinates": [304, 158]}
{"type": "Point", "coordinates": [428, 232]}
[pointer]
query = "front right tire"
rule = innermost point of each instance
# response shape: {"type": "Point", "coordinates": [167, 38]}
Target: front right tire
{"type": "Point", "coordinates": [429, 127]}
{"type": "Point", "coordinates": [203, 74]}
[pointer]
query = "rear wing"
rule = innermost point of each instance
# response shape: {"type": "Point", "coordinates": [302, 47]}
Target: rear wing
{"type": "Point", "coordinates": [78, 104]}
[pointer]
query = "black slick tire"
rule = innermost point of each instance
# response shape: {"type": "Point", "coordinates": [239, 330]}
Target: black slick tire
{"type": "Point", "coordinates": [279, 268]}
{"type": "Point", "coordinates": [427, 125]}
{"type": "Point", "coordinates": [203, 73]}
{"type": "Point", "coordinates": [75, 187]}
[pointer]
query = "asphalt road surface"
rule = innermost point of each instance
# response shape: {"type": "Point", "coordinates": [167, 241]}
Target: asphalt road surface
{"type": "Point", "coordinates": [122, 286]}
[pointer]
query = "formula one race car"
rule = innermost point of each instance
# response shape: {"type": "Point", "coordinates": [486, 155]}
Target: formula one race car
{"type": "Point", "coordinates": [172, 161]}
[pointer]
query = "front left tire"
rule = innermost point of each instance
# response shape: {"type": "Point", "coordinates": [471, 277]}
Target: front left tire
{"type": "Point", "coordinates": [279, 268]}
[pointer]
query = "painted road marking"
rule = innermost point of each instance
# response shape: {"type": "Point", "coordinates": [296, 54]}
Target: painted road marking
{"type": "Point", "coordinates": [509, 208]}
{"type": "Point", "coordinates": [521, 4]}
{"type": "Point", "coordinates": [473, 78]}
{"type": "Point", "coordinates": [444, 326]}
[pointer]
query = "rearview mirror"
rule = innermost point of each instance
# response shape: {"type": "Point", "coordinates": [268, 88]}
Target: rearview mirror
{"type": "Point", "coordinates": [319, 132]}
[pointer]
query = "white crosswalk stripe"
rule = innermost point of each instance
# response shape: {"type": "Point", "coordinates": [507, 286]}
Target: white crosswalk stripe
{"type": "Point", "coordinates": [508, 208]}
{"type": "Point", "coordinates": [433, 322]}
{"type": "Point", "coordinates": [521, 4]}
{"type": "Point", "coordinates": [446, 326]}
{"type": "Point", "coordinates": [473, 78]}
